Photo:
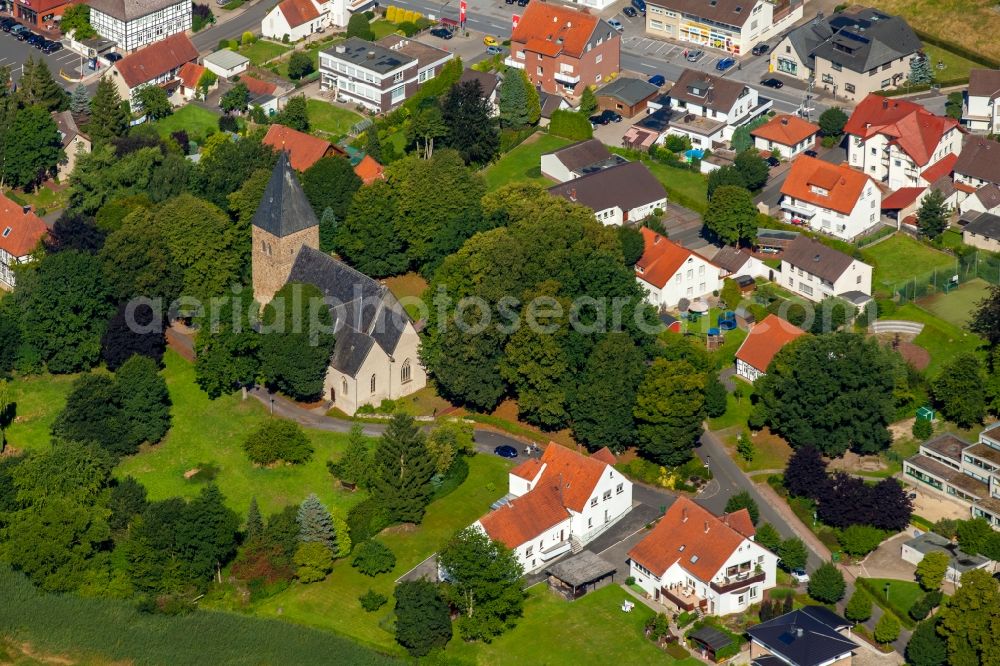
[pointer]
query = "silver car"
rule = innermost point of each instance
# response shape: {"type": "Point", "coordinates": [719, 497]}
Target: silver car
{"type": "Point", "coordinates": [616, 24]}
{"type": "Point", "coordinates": [695, 56]}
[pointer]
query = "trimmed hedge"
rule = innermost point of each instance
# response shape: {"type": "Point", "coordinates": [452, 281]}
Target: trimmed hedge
{"type": "Point", "coordinates": [570, 125]}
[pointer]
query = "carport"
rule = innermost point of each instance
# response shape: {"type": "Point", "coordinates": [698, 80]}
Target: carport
{"type": "Point", "coordinates": [577, 575]}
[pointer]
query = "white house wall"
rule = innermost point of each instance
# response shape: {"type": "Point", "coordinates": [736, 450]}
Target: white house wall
{"type": "Point", "coordinates": [610, 500]}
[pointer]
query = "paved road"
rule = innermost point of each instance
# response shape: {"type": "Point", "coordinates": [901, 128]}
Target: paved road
{"type": "Point", "coordinates": [13, 54]}
{"type": "Point", "coordinates": [208, 39]}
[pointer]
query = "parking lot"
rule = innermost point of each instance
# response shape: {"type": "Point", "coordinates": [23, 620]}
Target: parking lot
{"type": "Point", "coordinates": [62, 64]}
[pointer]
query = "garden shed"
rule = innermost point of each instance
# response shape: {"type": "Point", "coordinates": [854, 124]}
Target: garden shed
{"type": "Point", "coordinates": [710, 640]}
{"type": "Point", "coordinates": [577, 575]}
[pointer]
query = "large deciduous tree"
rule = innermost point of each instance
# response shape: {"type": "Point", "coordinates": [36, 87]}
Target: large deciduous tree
{"type": "Point", "coordinates": [985, 320]}
{"type": "Point", "coordinates": [958, 390]}
{"type": "Point", "coordinates": [805, 473]}
{"type": "Point", "coordinates": [669, 408]}
{"type": "Point", "coordinates": [753, 168]}
{"type": "Point", "coordinates": [330, 183]}
{"type": "Point", "coordinates": [297, 341]}
{"type": "Point", "coordinates": [743, 500]}
{"type": "Point", "coordinates": [826, 584]}
{"type": "Point", "coordinates": [32, 147]}
{"type": "Point", "coordinates": [134, 329]}
{"type": "Point", "coordinates": [227, 348]}
{"type": "Point", "coordinates": [832, 121]}
{"type": "Point", "coordinates": [402, 471]}
{"type": "Point", "coordinates": [367, 237]}
{"type": "Point", "coordinates": [833, 390]}
{"type": "Point", "coordinates": [969, 621]}
{"type": "Point", "coordinates": [601, 408]}
{"type": "Point", "coordinates": [154, 103]}
{"type": "Point", "coordinates": [926, 646]}
{"type": "Point", "coordinates": [484, 583]}
{"type": "Point", "coordinates": [731, 215]}
{"type": "Point", "coordinates": [931, 570]}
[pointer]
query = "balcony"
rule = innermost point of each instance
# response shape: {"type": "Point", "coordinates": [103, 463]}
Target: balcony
{"type": "Point", "coordinates": [568, 79]}
{"type": "Point", "coordinates": [554, 550]}
{"type": "Point", "coordinates": [511, 61]}
{"type": "Point", "coordinates": [730, 583]}
{"type": "Point", "coordinates": [683, 597]}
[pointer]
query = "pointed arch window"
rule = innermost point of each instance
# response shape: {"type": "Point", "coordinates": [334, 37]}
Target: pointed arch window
{"type": "Point", "coordinates": [405, 372]}
{"type": "Point", "coordinates": [373, 383]}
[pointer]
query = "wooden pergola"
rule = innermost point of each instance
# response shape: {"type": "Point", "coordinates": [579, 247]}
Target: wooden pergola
{"type": "Point", "coordinates": [579, 574]}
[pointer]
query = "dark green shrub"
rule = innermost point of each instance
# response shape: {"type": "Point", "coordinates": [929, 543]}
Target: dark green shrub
{"type": "Point", "coordinates": [278, 440]}
{"type": "Point", "coordinates": [365, 520]}
{"type": "Point", "coordinates": [372, 558]}
{"type": "Point", "coordinates": [371, 600]}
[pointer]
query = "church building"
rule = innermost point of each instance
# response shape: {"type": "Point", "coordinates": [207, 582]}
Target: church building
{"type": "Point", "coordinates": [375, 356]}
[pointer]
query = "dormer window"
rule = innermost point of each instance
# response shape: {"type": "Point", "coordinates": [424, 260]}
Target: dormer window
{"type": "Point", "coordinates": [6, 232]}
{"type": "Point", "coordinates": [816, 189]}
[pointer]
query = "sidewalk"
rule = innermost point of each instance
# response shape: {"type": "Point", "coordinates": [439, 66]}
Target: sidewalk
{"type": "Point", "coordinates": [800, 528]}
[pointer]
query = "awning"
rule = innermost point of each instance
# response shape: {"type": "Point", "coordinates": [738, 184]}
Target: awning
{"type": "Point", "coordinates": [801, 212]}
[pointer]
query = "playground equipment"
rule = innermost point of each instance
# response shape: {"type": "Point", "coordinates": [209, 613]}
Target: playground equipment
{"type": "Point", "coordinates": [727, 320]}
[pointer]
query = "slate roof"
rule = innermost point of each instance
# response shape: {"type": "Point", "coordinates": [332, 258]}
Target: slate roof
{"type": "Point", "coordinates": [984, 83]}
{"type": "Point", "coordinates": [713, 93]}
{"type": "Point", "coordinates": [156, 59]}
{"type": "Point", "coordinates": [126, 10]}
{"type": "Point", "coordinates": [802, 638]}
{"type": "Point", "coordinates": [860, 42]}
{"type": "Point", "coordinates": [578, 156]}
{"type": "Point", "coordinates": [989, 196]}
{"type": "Point", "coordinates": [284, 209]}
{"type": "Point", "coordinates": [549, 103]}
{"type": "Point", "coordinates": [67, 127]}
{"type": "Point", "coordinates": [365, 312]}
{"type": "Point", "coordinates": [811, 255]}
{"type": "Point", "coordinates": [582, 568]}
{"type": "Point", "coordinates": [959, 560]}
{"type": "Point", "coordinates": [987, 225]}
{"type": "Point", "coordinates": [628, 90]}
{"type": "Point", "coordinates": [488, 81]}
{"type": "Point", "coordinates": [626, 186]}
{"type": "Point", "coordinates": [980, 158]}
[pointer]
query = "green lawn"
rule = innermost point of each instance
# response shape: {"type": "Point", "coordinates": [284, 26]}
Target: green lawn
{"type": "Point", "coordinates": [957, 305]}
{"type": "Point", "coordinates": [381, 28]}
{"type": "Point", "coordinates": [902, 257]}
{"type": "Point", "coordinates": [523, 163]}
{"type": "Point", "coordinates": [209, 434]}
{"type": "Point", "coordinates": [44, 198]}
{"type": "Point", "coordinates": [901, 595]}
{"type": "Point", "coordinates": [330, 120]}
{"type": "Point", "coordinates": [942, 339]}
{"type": "Point", "coordinates": [737, 412]}
{"type": "Point", "coordinates": [333, 604]}
{"type": "Point", "coordinates": [554, 631]}
{"type": "Point", "coordinates": [263, 50]}
{"type": "Point", "coordinates": [955, 66]}
{"type": "Point", "coordinates": [193, 118]}
{"type": "Point", "coordinates": [39, 398]}
{"type": "Point", "coordinates": [691, 186]}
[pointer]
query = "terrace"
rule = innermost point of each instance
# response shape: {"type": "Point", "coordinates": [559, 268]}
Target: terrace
{"type": "Point", "coordinates": [683, 597]}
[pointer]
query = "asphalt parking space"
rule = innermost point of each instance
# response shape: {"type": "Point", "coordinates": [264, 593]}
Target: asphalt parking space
{"type": "Point", "coordinates": [62, 63]}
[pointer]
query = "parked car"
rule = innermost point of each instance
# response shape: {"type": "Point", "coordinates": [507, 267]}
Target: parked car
{"type": "Point", "coordinates": [505, 451]}
{"type": "Point", "coordinates": [494, 50]}
{"type": "Point", "coordinates": [694, 56]}
{"type": "Point", "coordinates": [605, 117]}
{"type": "Point", "coordinates": [629, 12]}
{"type": "Point", "coordinates": [658, 80]}
{"type": "Point", "coordinates": [522, 3]}
{"type": "Point", "coordinates": [811, 153]}
{"type": "Point", "coordinates": [760, 49]}
{"type": "Point", "coordinates": [599, 119]}
{"type": "Point", "coordinates": [443, 33]}
{"type": "Point", "coordinates": [616, 24]}
{"type": "Point", "coordinates": [34, 39]}
{"type": "Point", "coordinates": [113, 57]}
{"type": "Point", "coordinates": [640, 5]}
{"type": "Point", "coordinates": [52, 47]}
{"type": "Point", "coordinates": [725, 64]}
{"type": "Point", "coordinates": [490, 40]}
{"type": "Point", "coordinates": [772, 83]}
{"type": "Point", "coordinates": [773, 161]}
{"type": "Point", "coordinates": [20, 32]}
{"type": "Point", "coordinates": [799, 575]}
{"type": "Point", "coordinates": [7, 23]}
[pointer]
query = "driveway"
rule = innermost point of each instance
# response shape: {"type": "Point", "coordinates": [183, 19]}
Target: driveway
{"type": "Point", "coordinates": [886, 560]}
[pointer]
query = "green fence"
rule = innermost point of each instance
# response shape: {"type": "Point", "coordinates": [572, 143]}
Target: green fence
{"type": "Point", "coordinates": [982, 265]}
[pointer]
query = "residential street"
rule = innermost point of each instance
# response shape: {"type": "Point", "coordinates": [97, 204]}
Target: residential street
{"type": "Point", "coordinates": [249, 18]}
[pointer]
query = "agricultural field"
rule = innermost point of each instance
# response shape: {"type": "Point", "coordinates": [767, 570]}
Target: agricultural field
{"type": "Point", "coordinates": [973, 24]}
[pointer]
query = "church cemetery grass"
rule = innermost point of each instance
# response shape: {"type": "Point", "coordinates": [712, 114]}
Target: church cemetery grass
{"type": "Point", "coordinates": [571, 632]}
{"type": "Point", "coordinates": [523, 163]}
{"type": "Point", "coordinates": [333, 604]}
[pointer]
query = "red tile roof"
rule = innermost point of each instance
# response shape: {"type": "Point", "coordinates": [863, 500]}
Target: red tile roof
{"type": "Point", "coordinates": [528, 469]}
{"type": "Point", "coordinates": [297, 12]}
{"type": "Point", "coordinates": [604, 455]}
{"type": "Point", "coordinates": [579, 474]}
{"type": "Point", "coordinates": [304, 150]}
{"type": "Point", "coordinates": [369, 170]}
{"type": "Point", "coordinates": [661, 258]}
{"type": "Point", "coordinates": [965, 187]}
{"type": "Point", "coordinates": [190, 74]}
{"type": "Point", "coordinates": [693, 537]}
{"type": "Point", "coordinates": [543, 24]}
{"type": "Point", "coordinates": [258, 87]}
{"type": "Point", "coordinates": [20, 232]}
{"type": "Point", "coordinates": [943, 167]}
{"type": "Point", "coordinates": [156, 60]}
{"type": "Point", "coordinates": [901, 198]}
{"type": "Point", "coordinates": [765, 340]}
{"type": "Point", "coordinates": [910, 126]}
{"type": "Point", "coordinates": [843, 185]}
{"type": "Point", "coordinates": [788, 130]}
{"type": "Point", "coordinates": [525, 517]}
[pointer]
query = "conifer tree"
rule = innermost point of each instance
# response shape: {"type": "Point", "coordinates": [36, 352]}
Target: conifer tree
{"type": "Point", "coordinates": [79, 101]}
{"type": "Point", "coordinates": [534, 103]}
{"type": "Point", "coordinates": [255, 524]}
{"type": "Point", "coordinates": [108, 118]}
{"type": "Point", "coordinates": [920, 70]}
{"type": "Point", "coordinates": [588, 101]}
{"type": "Point", "coordinates": [315, 523]}
{"type": "Point", "coordinates": [372, 144]}
{"type": "Point", "coordinates": [403, 470]}
{"type": "Point", "coordinates": [932, 217]}
{"type": "Point", "coordinates": [513, 100]}
{"type": "Point", "coordinates": [38, 87]}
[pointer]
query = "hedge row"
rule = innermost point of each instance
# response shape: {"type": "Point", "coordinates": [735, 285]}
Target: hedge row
{"type": "Point", "coordinates": [958, 50]}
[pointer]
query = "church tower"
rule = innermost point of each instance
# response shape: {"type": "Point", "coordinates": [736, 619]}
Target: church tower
{"type": "Point", "coordinates": [284, 222]}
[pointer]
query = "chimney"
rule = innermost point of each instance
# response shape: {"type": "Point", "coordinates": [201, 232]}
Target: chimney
{"type": "Point", "coordinates": [26, 209]}
{"type": "Point", "coordinates": [798, 632]}
{"type": "Point", "coordinates": [371, 55]}
{"type": "Point", "coordinates": [885, 103]}
{"type": "Point", "coordinates": [572, 194]}
{"type": "Point", "coordinates": [684, 515]}
{"type": "Point", "coordinates": [784, 121]}
{"type": "Point", "coordinates": [706, 527]}
{"type": "Point", "coordinates": [340, 48]}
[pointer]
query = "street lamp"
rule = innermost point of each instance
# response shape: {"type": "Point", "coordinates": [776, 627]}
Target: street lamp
{"type": "Point", "coordinates": [886, 590]}
{"type": "Point", "coordinates": [708, 462]}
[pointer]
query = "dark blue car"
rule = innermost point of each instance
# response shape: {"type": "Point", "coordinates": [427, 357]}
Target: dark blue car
{"type": "Point", "coordinates": [658, 80]}
{"type": "Point", "coordinates": [640, 5]}
{"type": "Point", "coordinates": [725, 64]}
{"type": "Point", "coordinates": [505, 451]}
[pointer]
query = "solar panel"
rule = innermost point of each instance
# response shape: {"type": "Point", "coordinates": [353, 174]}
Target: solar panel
{"type": "Point", "coordinates": [855, 36]}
